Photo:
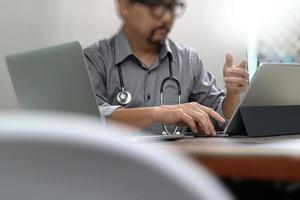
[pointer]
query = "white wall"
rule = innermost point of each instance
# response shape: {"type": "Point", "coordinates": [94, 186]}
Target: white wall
{"type": "Point", "coordinates": [207, 26]}
{"type": "Point", "coordinates": [212, 28]}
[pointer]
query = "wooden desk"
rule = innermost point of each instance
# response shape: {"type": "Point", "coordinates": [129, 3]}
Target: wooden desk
{"type": "Point", "coordinates": [267, 158]}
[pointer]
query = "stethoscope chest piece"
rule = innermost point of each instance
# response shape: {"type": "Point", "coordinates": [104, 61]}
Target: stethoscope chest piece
{"type": "Point", "coordinates": [124, 97]}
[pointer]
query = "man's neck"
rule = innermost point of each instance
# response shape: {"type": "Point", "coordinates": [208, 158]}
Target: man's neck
{"type": "Point", "coordinates": [143, 50]}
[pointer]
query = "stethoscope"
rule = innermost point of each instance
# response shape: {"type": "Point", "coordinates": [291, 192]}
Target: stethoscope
{"type": "Point", "coordinates": [124, 97]}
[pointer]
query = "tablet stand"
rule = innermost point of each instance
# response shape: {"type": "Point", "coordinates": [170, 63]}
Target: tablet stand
{"type": "Point", "coordinates": [266, 121]}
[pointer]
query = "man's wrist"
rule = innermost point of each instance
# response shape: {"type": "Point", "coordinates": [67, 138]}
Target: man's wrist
{"type": "Point", "coordinates": [233, 97]}
{"type": "Point", "coordinates": [229, 104]}
{"type": "Point", "coordinates": [155, 113]}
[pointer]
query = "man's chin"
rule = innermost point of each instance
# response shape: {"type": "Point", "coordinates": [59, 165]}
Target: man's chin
{"type": "Point", "coordinates": [158, 40]}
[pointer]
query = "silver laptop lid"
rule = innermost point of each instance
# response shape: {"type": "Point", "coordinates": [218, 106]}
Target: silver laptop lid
{"type": "Point", "coordinates": [54, 78]}
{"type": "Point", "coordinates": [272, 85]}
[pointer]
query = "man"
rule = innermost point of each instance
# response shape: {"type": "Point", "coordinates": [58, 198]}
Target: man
{"type": "Point", "coordinates": [140, 57]}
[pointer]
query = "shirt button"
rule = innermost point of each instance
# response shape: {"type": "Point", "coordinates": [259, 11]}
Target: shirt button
{"type": "Point", "coordinates": [148, 97]}
{"type": "Point", "coordinates": [149, 72]}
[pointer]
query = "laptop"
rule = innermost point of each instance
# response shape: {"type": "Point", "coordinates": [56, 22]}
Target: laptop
{"type": "Point", "coordinates": [53, 79]}
{"type": "Point", "coordinates": [272, 85]}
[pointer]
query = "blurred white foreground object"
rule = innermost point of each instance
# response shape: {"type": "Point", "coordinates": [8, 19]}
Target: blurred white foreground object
{"type": "Point", "coordinates": [67, 157]}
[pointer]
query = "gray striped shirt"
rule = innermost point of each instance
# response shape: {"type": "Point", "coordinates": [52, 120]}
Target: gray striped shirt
{"type": "Point", "coordinates": [197, 84]}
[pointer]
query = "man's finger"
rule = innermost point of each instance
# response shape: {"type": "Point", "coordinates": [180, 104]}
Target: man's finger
{"type": "Point", "coordinates": [233, 85]}
{"type": "Point", "coordinates": [236, 89]}
{"type": "Point", "coordinates": [199, 116]}
{"type": "Point", "coordinates": [211, 127]}
{"type": "Point", "coordinates": [237, 72]}
{"type": "Point", "coordinates": [199, 127]}
{"type": "Point", "coordinates": [189, 121]}
{"type": "Point", "coordinates": [243, 64]}
{"type": "Point", "coordinates": [210, 130]}
{"type": "Point", "coordinates": [236, 80]}
{"type": "Point", "coordinates": [229, 59]}
{"type": "Point", "coordinates": [212, 113]}
{"type": "Point", "coordinates": [207, 127]}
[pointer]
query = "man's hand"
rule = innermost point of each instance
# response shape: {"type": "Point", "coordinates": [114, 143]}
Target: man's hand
{"type": "Point", "coordinates": [192, 115]}
{"type": "Point", "coordinates": [236, 82]}
{"type": "Point", "coordinates": [235, 76]}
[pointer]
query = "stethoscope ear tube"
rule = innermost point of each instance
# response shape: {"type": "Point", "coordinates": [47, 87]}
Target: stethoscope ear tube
{"type": "Point", "coordinates": [162, 85]}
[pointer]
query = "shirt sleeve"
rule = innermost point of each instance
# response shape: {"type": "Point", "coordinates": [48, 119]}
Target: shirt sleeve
{"type": "Point", "coordinates": [205, 90]}
{"type": "Point", "coordinates": [97, 74]}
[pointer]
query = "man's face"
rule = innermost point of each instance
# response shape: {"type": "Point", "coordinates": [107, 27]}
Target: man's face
{"type": "Point", "coordinates": [150, 21]}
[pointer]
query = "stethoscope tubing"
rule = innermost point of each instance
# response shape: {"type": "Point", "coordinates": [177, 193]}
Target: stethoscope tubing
{"type": "Point", "coordinates": [124, 93]}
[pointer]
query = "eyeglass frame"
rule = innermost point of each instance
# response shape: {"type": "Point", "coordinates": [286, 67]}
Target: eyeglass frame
{"type": "Point", "coordinates": [166, 7]}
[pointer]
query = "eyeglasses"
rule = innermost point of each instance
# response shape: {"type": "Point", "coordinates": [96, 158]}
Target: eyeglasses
{"type": "Point", "coordinates": [158, 10]}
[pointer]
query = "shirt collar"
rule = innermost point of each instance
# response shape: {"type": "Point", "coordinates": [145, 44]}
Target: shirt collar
{"type": "Point", "coordinates": [123, 50]}
{"type": "Point", "coordinates": [166, 50]}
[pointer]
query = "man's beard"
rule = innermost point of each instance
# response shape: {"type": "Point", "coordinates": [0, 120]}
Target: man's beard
{"type": "Point", "coordinates": [151, 38]}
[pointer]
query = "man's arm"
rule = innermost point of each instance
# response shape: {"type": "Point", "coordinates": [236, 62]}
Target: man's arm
{"type": "Point", "coordinates": [192, 115]}
{"type": "Point", "coordinates": [229, 105]}
{"type": "Point", "coordinates": [236, 82]}
{"type": "Point", "coordinates": [97, 72]}
{"type": "Point", "coordinates": [137, 117]}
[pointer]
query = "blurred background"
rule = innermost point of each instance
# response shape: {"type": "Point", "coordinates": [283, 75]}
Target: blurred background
{"type": "Point", "coordinates": [262, 30]}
